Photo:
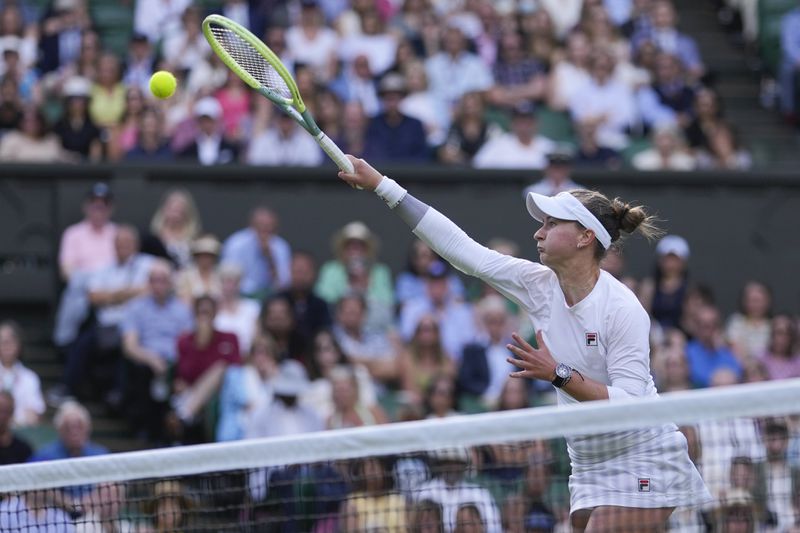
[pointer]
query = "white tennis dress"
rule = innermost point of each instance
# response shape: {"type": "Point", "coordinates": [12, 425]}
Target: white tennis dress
{"type": "Point", "coordinates": [605, 337]}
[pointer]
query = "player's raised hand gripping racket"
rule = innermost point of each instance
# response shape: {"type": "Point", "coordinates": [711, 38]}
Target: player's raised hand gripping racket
{"type": "Point", "coordinates": [260, 68]}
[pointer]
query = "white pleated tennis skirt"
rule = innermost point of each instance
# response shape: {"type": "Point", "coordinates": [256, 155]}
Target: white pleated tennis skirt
{"type": "Point", "coordinates": [651, 474]}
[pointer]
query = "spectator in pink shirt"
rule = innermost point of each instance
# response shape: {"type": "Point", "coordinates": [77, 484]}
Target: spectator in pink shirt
{"type": "Point", "coordinates": [88, 245]}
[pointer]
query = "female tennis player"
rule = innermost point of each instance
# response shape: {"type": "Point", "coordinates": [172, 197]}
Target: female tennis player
{"type": "Point", "coordinates": [593, 344]}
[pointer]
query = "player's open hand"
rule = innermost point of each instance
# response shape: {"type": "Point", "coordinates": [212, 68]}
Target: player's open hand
{"type": "Point", "coordinates": [533, 363]}
{"type": "Point", "coordinates": [363, 175]}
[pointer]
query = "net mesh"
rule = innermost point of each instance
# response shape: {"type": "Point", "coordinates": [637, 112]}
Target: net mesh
{"type": "Point", "coordinates": [506, 471]}
{"type": "Point", "coordinates": [250, 60]}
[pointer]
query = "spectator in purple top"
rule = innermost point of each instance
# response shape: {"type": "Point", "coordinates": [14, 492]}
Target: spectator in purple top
{"type": "Point", "coordinates": [518, 77]}
{"type": "Point", "coordinates": [782, 358]}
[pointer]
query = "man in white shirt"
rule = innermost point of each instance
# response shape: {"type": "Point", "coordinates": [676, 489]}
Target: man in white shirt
{"type": "Point", "coordinates": [449, 489]}
{"type": "Point", "coordinates": [284, 144]}
{"type": "Point", "coordinates": [606, 102]}
{"type": "Point", "coordinates": [454, 71]}
{"type": "Point", "coordinates": [523, 147]}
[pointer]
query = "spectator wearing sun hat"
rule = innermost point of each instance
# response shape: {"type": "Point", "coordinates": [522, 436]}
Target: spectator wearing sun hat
{"type": "Point", "coordinates": [200, 277]}
{"type": "Point", "coordinates": [356, 269]}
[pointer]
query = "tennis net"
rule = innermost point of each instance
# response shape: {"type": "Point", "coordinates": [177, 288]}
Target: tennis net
{"type": "Point", "coordinates": [502, 471]}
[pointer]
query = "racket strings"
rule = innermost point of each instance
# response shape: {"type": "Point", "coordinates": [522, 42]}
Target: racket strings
{"type": "Point", "coordinates": [251, 61]}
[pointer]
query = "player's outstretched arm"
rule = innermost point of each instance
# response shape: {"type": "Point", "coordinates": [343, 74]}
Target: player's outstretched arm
{"type": "Point", "coordinates": [439, 232]}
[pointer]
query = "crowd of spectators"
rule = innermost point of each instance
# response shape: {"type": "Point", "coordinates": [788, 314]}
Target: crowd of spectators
{"type": "Point", "coordinates": [470, 82]}
{"type": "Point", "coordinates": [194, 339]}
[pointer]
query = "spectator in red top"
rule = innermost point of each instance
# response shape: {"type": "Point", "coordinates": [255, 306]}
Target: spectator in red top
{"type": "Point", "coordinates": [203, 356]}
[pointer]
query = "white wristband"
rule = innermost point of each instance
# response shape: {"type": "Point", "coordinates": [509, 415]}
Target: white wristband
{"type": "Point", "coordinates": [390, 191]}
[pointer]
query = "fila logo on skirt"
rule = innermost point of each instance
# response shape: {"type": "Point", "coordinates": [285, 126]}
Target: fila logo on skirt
{"type": "Point", "coordinates": [644, 484]}
{"type": "Point", "coordinates": [591, 339]}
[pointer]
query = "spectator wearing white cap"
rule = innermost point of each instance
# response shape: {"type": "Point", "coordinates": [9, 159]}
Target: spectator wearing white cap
{"type": "Point", "coordinates": [285, 415]}
{"type": "Point", "coordinates": [209, 146]}
{"type": "Point", "coordinates": [663, 294]}
{"type": "Point", "coordinates": [77, 130]}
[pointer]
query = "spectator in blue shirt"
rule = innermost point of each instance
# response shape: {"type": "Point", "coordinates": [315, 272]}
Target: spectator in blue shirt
{"type": "Point", "coordinates": [151, 328]}
{"type": "Point", "coordinates": [74, 426]}
{"type": "Point", "coordinates": [264, 257]}
{"type": "Point", "coordinates": [705, 353]}
{"type": "Point", "coordinates": [790, 64]}
{"type": "Point", "coordinates": [391, 135]}
{"type": "Point", "coordinates": [666, 37]}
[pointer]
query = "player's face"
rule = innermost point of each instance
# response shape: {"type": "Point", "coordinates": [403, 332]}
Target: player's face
{"type": "Point", "coordinates": [556, 240]}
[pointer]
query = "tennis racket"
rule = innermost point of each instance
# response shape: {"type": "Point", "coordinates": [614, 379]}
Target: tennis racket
{"type": "Point", "coordinates": [260, 68]}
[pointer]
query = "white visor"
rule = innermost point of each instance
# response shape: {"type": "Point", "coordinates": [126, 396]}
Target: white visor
{"type": "Point", "coordinates": [564, 206]}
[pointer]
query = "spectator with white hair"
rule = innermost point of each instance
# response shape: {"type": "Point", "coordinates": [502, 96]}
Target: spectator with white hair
{"type": "Point", "coordinates": [151, 328]}
{"type": "Point", "coordinates": [236, 314]}
{"type": "Point", "coordinates": [74, 426]}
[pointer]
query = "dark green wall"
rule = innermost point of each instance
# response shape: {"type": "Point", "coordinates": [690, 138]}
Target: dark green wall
{"type": "Point", "coordinates": [740, 226]}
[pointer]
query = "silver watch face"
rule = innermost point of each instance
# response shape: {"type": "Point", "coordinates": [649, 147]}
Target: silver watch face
{"type": "Point", "coordinates": [563, 371]}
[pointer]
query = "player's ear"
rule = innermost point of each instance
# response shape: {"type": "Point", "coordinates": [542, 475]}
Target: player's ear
{"type": "Point", "coordinates": [585, 238]}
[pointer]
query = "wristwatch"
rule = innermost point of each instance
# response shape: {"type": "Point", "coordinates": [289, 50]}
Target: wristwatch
{"type": "Point", "coordinates": [563, 375]}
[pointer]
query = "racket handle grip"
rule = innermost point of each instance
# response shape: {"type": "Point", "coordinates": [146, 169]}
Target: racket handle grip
{"type": "Point", "coordinates": [334, 153]}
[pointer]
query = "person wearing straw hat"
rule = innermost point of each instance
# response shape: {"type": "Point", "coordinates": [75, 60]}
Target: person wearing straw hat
{"type": "Point", "coordinates": [200, 277]}
{"type": "Point", "coordinates": [356, 269]}
{"type": "Point", "coordinates": [592, 343]}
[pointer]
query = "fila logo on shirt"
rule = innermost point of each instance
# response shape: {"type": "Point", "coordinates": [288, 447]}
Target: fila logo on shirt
{"type": "Point", "coordinates": [591, 339]}
{"type": "Point", "coordinates": [644, 484]}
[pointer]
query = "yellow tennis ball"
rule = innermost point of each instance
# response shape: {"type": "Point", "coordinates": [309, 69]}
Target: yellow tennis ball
{"type": "Point", "coordinates": [163, 84]}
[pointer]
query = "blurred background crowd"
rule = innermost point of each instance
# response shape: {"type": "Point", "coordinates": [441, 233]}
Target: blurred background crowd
{"type": "Point", "coordinates": [191, 338]}
{"type": "Point", "coordinates": [465, 82]}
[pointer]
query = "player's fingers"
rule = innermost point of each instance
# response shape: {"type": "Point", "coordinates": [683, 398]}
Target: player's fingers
{"type": "Point", "coordinates": [520, 352]}
{"type": "Point", "coordinates": [522, 342]}
{"type": "Point", "coordinates": [519, 363]}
